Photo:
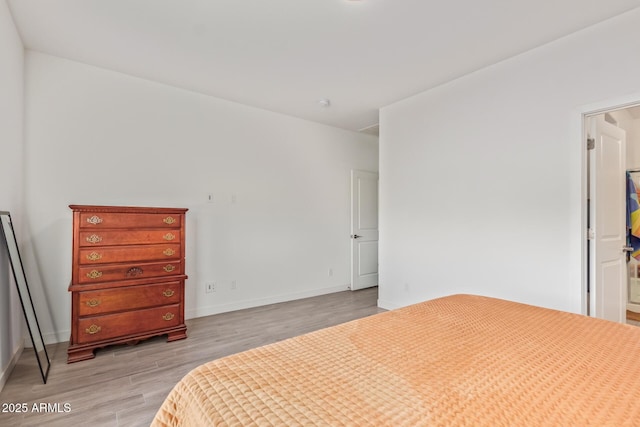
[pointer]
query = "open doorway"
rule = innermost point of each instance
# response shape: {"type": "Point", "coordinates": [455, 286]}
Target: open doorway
{"type": "Point", "coordinates": [613, 272]}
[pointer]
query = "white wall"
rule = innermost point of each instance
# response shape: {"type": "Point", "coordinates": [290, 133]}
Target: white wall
{"type": "Point", "coordinates": [481, 178]}
{"type": "Point", "coordinates": [633, 154]}
{"type": "Point", "coordinates": [632, 129]}
{"type": "Point", "coordinates": [11, 183]}
{"type": "Point", "coordinates": [280, 216]}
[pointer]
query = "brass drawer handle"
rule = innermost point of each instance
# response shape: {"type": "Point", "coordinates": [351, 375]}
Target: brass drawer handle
{"type": "Point", "coordinates": [169, 252]}
{"type": "Point", "coordinates": [95, 220]}
{"type": "Point", "coordinates": [168, 316]}
{"type": "Point", "coordinates": [169, 268]}
{"type": "Point", "coordinates": [169, 220]}
{"type": "Point", "coordinates": [169, 236]}
{"type": "Point", "coordinates": [134, 271]}
{"type": "Point", "coordinates": [93, 329]}
{"type": "Point", "coordinates": [94, 256]}
{"type": "Point", "coordinates": [168, 293]}
{"type": "Point", "coordinates": [93, 302]}
{"type": "Point", "coordinates": [94, 274]}
{"type": "Point", "coordinates": [94, 238]}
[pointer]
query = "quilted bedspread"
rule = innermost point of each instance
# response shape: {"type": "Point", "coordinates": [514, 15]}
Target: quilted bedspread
{"type": "Point", "coordinates": [453, 361]}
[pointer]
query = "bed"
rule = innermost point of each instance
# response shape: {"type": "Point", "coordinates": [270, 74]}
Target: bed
{"type": "Point", "coordinates": [458, 360]}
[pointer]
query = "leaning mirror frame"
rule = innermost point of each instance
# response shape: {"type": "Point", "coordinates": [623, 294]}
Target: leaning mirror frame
{"type": "Point", "coordinates": [6, 229]}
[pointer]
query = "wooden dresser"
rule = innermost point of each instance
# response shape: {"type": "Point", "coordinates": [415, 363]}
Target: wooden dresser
{"type": "Point", "coordinates": [128, 276]}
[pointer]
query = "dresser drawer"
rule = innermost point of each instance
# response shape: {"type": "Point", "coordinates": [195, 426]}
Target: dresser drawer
{"type": "Point", "coordinates": [127, 298]}
{"type": "Point", "coordinates": [111, 272]}
{"type": "Point", "coordinates": [110, 254]}
{"type": "Point", "coordinates": [96, 220]}
{"type": "Point", "coordinates": [99, 328]}
{"type": "Point", "coordinates": [127, 237]}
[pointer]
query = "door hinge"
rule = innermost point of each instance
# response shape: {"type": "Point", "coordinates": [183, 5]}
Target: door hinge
{"type": "Point", "coordinates": [591, 143]}
{"type": "Point", "coordinates": [591, 234]}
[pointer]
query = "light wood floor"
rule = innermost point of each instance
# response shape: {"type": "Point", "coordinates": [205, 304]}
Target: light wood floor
{"type": "Point", "coordinates": [125, 385]}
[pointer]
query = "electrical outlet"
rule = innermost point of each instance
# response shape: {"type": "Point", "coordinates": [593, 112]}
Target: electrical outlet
{"type": "Point", "coordinates": [210, 287]}
{"type": "Point", "coordinates": [234, 286]}
{"type": "Point", "coordinates": [330, 272]}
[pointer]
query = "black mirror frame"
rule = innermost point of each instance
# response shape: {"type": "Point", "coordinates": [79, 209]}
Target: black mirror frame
{"type": "Point", "coordinates": [25, 295]}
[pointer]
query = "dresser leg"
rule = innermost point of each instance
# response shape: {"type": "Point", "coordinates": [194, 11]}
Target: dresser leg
{"type": "Point", "coordinates": [78, 355]}
{"type": "Point", "coordinates": [177, 335]}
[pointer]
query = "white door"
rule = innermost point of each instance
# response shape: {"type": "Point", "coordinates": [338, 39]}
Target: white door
{"type": "Point", "coordinates": [608, 277]}
{"type": "Point", "coordinates": [364, 229]}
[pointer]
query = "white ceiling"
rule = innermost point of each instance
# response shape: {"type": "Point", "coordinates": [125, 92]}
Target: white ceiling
{"type": "Point", "coordinates": [284, 55]}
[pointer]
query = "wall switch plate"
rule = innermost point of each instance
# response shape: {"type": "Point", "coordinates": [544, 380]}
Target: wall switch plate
{"type": "Point", "coordinates": [210, 287]}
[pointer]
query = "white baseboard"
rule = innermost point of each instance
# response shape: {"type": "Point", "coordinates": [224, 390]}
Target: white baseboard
{"type": "Point", "coordinates": [241, 305]}
{"type": "Point", "coordinates": [388, 305]}
{"type": "Point", "coordinates": [49, 338]}
{"type": "Point", "coordinates": [56, 337]}
{"type": "Point", "coordinates": [6, 371]}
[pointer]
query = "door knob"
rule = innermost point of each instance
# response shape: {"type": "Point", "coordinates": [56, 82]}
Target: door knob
{"type": "Point", "coordinates": [627, 249]}
{"type": "Point", "coordinates": [355, 236]}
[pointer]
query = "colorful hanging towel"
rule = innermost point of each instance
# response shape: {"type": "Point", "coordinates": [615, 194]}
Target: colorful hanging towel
{"type": "Point", "coordinates": [633, 218]}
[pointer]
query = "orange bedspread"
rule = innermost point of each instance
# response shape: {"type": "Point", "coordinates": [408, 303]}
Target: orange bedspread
{"type": "Point", "coordinates": [460, 360]}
